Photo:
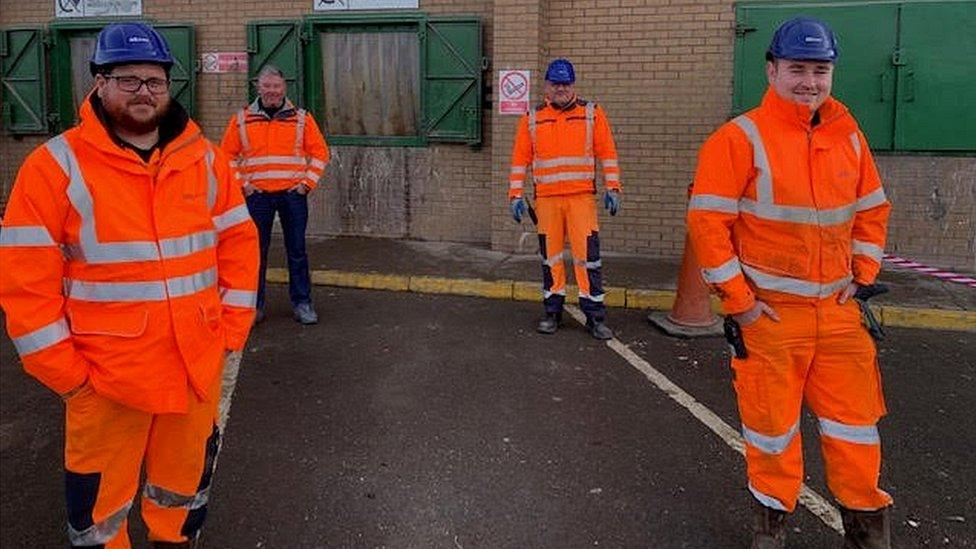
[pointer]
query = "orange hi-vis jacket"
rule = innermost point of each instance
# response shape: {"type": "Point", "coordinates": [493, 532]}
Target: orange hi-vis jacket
{"type": "Point", "coordinates": [134, 275]}
{"type": "Point", "coordinates": [277, 153]}
{"type": "Point", "coordinates": [784, 209]}
{"type": "Point", "coordinates": [561, 146]}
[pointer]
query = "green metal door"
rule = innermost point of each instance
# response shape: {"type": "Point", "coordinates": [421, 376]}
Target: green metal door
{"type": "Point", "coordinates": [23, 82]}
{"type": "Point", "coordinates": [864, 79]}
{"type": "Point", "coordinates": [183, 75]}
{"type": "Point", "coordinates": [937, 77]}
{"type": "Point", "coordinates": [452, 110]}
{"type": "Point", "coordinates": [276, 43]}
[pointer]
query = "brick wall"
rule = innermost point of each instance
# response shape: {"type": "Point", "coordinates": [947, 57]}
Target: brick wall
{"type": "Point", "coordinates": [662, 69]}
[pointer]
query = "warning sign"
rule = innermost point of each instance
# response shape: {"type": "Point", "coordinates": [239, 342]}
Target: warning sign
{"type": "Point", "coordinates": [513, 92]}
{"type": "Point", "coordinates": [224, 61]}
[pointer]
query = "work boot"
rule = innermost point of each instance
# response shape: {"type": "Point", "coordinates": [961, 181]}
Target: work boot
{"type": "Point", "coordinates": [769, 528]}
{"type": "Point", "coordinates": [867, 529]}
{"type": "Point", "coordinates": [305, 314]}
{"type": "Point", "coordinates": [599, 330]}
{"type": "Point", "coordinates": [549, 323]}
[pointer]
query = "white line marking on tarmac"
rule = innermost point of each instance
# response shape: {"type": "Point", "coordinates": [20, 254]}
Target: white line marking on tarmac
{"type": "Point", "coordinates": [808, 498]}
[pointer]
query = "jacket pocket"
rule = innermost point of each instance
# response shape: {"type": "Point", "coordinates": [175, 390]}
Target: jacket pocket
{"type": "Point", "coordinates": [129, 323]}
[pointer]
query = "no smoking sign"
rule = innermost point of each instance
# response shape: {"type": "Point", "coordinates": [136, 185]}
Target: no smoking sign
{"type": "Point", "coordinates": [513, 92]}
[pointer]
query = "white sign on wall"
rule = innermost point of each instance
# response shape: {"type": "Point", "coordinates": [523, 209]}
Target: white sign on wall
{"type": "Point", "coordinates": [342, 5]}
{"type": "Point", "coordinates": [513, 92]}
{"type": "Point", "coordinates": [97, 8]}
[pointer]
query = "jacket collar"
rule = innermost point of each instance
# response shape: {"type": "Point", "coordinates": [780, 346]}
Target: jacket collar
{"type": "Point", "coordinates": [286, 110]}
{"type": "Point", "coordinates": [799, 114]}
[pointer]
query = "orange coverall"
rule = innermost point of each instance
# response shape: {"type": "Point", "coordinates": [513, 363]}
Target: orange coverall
{"type": "Point", "coordinates": [561, 146]}
{"type": "Point", "coordinates": [130, 280]}
{"type": "Point", "coordinates": [790, 212]}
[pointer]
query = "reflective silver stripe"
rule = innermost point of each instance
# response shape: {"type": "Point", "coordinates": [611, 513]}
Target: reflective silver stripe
{"type": "Point", "coordinates": [532, 124]}
{"type": "Point", "coordinates": [868, 201]}
{"type": "Point", "coordinates": [187, 245]}
{"type": "Point", "coordinates": [300, 132]}
{"type": "Point", "coordinates": [588, 264]}
{"type": "Point", "coordinates": [858, 434]}
{"type": "Point", "coordinates": [42, 338]}
{"type": "Point", "coordinates": [317, 164]}
{"type": "Point", "coordinates": [770, 445]}
{"type": "Point", "coordinates": [238, 298]}
{"type": "Point", "coordinates": [231, 217]}
{"type": "Point", "coordinates": [242, 130]}
{"type": "Point", "coordinates": [611, 177]}
{"type": "Point", "coordinates": [860, 247]}
{"type": "Point", "coordinates": [724, 272]}
{"type": "Point", "coordinates": [764, 179]}
{"type": "Point", "coordinates": [609, 163]}
{"type": "Point", "coordinates": [794, 285]}
{"type": "Point", "coordinates": [857, 144]}
{"type": "Point", "coordinates": [590, 115]}
{"type": "Point", "coordinates": [583, 161]}
{"type": "Point", "coordinates": [265, 160]}
{"type": "Point", "coordinates": [713, 202]}
{"type": "Point", "coordinates": [553, 260]}
{"type": "Point", "coordinates": [768, 501]}
{"type": "Point", "coordinates": [568, 176]}
{"type": "Point", "coordinates": [153, 290]}
{"type": "Point", "coordinates": [548, 294]}
{"type": "Point", "coordinates": [518, 170]}
{"type": "Point", "coordinates": [100, 533]}
{"type": "Point", "coordinates": [276, 174]}
{"type": "Point", "coordinates": [191, 284]}
{"type": "Point", "coordinates": [594, 298]}
{"type": "Point", "coordinates": [211, 179]}
{"type": "Point", "coordinates": [90, 249]}
{"type": "Point", "coordinates": [27, 235]}
{"type": "Point", "coordinates": [516, 185]}
{"type": "Point", "coordinates": [798, 214]}
{"type": "Point", "coordinates": [84, 290]}
{"type": "Point", "coordinates": [165, 498]}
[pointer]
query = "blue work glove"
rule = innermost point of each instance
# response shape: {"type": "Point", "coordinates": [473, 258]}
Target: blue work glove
{"type": "Point", "coordinates": [518, 207]}
{"type": "Point", "coordinates": [611, 201]}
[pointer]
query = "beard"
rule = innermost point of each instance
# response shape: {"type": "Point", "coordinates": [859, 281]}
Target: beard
{"type": "Point", "coordinates": [123, 120]}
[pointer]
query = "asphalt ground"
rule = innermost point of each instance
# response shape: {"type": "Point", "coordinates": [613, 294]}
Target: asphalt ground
{"type": "Point", "coordinates": [407, 420]}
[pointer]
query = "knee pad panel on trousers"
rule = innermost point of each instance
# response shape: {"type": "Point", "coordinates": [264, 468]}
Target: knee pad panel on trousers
{"type": "Point", "coordinates": [81, 491]}
{"type": "Point", "coordinates": [195, 518]}
{"type": "Point", "coordinates": [546, 269]}
{"type": "Point", "coordinates": [594, 274]}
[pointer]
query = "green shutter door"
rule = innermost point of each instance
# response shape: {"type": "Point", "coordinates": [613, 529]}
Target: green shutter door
{"type": "Point", "coordinates": [277, 43]}
{"type": "Point", "coordinates": [864, 77]}
{"type": "Point", "coordinates": [183, 75]}
{"type": "Point", "coordinates": [937, 82]}
{"type": "Point", "coordinates": [452, 109]}
{"type": "Point", "coordinates": [23, 82]}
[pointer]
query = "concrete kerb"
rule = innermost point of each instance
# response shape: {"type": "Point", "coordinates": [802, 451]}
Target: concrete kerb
{"type": "Point", "coordinates": [631, 298]}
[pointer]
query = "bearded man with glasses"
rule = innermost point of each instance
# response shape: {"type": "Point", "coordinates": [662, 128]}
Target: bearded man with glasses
{"type": "Point", "coordinates": [128, 274]}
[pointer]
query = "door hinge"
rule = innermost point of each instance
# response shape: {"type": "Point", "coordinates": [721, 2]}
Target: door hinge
{"type": "Point", "coordinates": [742, 29]}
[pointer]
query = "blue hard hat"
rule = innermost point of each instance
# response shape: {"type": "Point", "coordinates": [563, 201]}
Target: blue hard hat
{"type": "Point", "coordinates": [561, 71]}
{"type": "Point", "coordinates": [125, 43]}
{"type": "Point", "coordinates": [803, 39]}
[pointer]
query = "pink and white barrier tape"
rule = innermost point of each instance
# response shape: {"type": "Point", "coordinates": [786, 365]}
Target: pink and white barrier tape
{"type": "Point", "coordinates": [931, 271]}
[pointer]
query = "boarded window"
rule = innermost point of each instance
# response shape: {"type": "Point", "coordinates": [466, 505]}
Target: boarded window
{"type": "Point", "coordinates": [372, 83]}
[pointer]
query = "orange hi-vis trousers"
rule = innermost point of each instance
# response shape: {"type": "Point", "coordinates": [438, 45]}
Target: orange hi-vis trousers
{"type": "Point", "coordinates": [106, 444]}
{"type": "Point", "coordinates": [575, 215]}
{"type": "Point", "coordinates": [818, 353]}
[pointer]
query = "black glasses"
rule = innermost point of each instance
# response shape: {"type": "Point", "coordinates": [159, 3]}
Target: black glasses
{"type": "Point", "coordinates": [132, 84]}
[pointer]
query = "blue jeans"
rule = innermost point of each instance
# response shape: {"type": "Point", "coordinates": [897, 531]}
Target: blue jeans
{"type": "Point", "coordinates": [292, 210]}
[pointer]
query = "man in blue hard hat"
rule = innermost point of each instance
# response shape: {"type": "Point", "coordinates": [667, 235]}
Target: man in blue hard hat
{"type": "Point", "coordinates": [561, 140]}
{"type": "Point", "coordinates": [788, 219]}
{"type": "Point", "coordinates": [135, 279]}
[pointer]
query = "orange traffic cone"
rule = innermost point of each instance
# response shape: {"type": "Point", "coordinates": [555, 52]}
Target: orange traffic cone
{"type": "Point", "coordinates": [691, 315]}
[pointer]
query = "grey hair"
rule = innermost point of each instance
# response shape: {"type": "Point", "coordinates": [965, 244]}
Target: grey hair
{"type": "Point", "coordinates": [270, 70]}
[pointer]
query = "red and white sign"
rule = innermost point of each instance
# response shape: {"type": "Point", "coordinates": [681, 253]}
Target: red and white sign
{"type": "Point", "coordinates": [224, 61]}
{"type": "Point", "coordinates": [513, 92]}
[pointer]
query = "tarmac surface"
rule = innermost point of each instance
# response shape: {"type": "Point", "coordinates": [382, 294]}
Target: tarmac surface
{"type": "Point", "coordinates": [421, 419]}
{"type": "Point", "coordinates": [408, 420]}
